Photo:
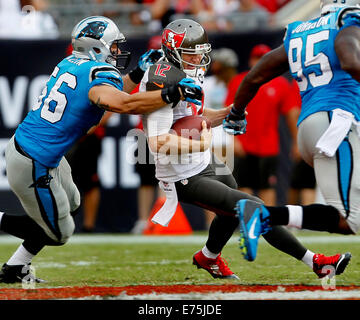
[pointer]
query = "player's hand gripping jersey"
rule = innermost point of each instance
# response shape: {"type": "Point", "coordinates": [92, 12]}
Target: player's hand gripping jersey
{"type": "Point", "coordinates": [64, 112]}
{"type": "Point", "coordinates": [171, 168]}
{"type": "Point", "coordinates": [324, 86]}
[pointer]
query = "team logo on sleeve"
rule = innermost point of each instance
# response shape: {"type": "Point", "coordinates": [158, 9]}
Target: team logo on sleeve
{"type": "Point", "coordinates": [93, 30]}
{"type": "Point", "coordinates": [172, 39]}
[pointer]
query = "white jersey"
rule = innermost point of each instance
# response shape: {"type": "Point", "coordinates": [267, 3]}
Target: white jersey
{"type": "Point", "coordinates": [171, 168]}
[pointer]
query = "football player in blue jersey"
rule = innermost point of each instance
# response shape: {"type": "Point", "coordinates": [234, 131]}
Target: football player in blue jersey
{"type": "Point", "coordinates": [80, 89]}
{"type": "Point", "coordinates": [323, 56]}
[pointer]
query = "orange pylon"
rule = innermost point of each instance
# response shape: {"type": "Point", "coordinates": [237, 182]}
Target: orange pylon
{"type": "Point", "coordinates": [179, 224]}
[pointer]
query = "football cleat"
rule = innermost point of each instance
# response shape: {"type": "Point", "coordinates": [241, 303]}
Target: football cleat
{"type": "Point", "coordinates": [216, 267]}
{"type": "Point", "coordinates": [254, 221]}
{"type": "Point", "coordinates": [329, 266]}
{"type": "Point", "coordinates": [17, 273]}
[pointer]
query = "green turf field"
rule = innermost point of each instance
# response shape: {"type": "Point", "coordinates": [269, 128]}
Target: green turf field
{"type": "Point", "coordinates": [152, 260]}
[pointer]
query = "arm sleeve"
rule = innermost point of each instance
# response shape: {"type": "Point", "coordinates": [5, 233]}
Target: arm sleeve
{"type": "Point", "coordinates": [160, 121]}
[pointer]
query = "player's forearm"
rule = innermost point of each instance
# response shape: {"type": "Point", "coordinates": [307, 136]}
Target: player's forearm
{"type": "Point", "coordinates": [271, 65]}
{"type": "Point", "coordinates": [171, 144]}
{"type": "Point", "coordinates": [216, 116]}
{"type": "Point", "coordinates": [245, 93]}
{"type": "Point", "coordinates": [129, 85]}
{"type": "Point", "coordinates": [143, 102]}
{"type": "Point", "coordinates": [113, 100]}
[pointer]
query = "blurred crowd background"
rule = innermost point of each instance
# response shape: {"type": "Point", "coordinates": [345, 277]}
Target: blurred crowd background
{"type": "Point", "coordinates": [56, 18]}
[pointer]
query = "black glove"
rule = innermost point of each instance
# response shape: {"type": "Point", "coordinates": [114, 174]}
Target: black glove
{"type": "Point", "coordinates": [189, 89]}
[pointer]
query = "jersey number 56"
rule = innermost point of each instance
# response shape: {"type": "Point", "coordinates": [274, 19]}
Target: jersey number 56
{"type": "Point", "coordinates": [55, 103]}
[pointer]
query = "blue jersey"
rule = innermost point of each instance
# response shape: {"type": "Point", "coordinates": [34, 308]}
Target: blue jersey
{"type": "Point", "coordinates": [313, 62]}
{"type": "Point", "coordinates": [64, 112]}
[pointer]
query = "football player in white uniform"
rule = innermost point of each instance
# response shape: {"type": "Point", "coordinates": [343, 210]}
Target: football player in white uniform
{"type": "Point", "coordinates": [184, 167]}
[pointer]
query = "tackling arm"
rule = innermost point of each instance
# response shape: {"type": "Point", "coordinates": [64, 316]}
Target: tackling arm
{"type": "Point", "coordinates": [114, 100]}
{"type": "Point", "coordinates": [129, 85]}
{"type": "Point", "coordinates": [347, 47]}
{"type": "Point", "coordinates": [216, 116]}
{"type": "Point", "coordinates": [271, 65]}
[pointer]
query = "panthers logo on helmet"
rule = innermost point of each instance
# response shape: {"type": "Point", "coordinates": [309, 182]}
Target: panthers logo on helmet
{"type": "Point", "coordinates": [93, 29]}
{"type": "Point", "coordinates": [171, 38]}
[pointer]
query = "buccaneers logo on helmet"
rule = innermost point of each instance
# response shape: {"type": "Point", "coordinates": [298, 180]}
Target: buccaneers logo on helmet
{"type": "Point", "coordinates": [172, 39]}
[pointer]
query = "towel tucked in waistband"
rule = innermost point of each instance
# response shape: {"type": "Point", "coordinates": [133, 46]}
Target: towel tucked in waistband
{"type": "Point", "coordinates": [339, 127]}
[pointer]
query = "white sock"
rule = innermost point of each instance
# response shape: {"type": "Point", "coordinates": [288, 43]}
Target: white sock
{"type": "Point", "coordinates": [295, 216]}
{"type": "Point", "coordinates": [1, 215]}
{"type": "Point", "coordinates": [308, 258]}
{"type": "Point", "coordinates": [20, 257]}
{"type": "Point", "coordinates": [208, 254]}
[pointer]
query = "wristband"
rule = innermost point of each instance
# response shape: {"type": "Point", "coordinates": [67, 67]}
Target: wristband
{"type": "Point", "coordinates": [238, 113]}
{"type": "Point", "coordinates": [136, 75]}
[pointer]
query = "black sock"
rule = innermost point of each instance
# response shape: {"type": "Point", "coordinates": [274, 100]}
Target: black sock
{"type": "Point", "coordinates": [33, 246]}
{"type": "Point", "coordinates": [317, 217]}
{"type": "Point", "coordinates": [221, 230]}
{"type": "Point", "coordinates": [279, 216]}
{"type": "Point", "coordinates": [23, 227]}
{"type": "Point", "coordinates": [320, 217]}
{"type": "Point", "coordinates": [283, 240]}
{"type": "Point", "coordinates": [20, 226]}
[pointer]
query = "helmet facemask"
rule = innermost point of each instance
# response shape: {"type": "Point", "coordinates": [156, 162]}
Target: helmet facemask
{"type": "Point", "coordinates": [119, 60]}
{"type": "Point", "coordinates": [199, 69]}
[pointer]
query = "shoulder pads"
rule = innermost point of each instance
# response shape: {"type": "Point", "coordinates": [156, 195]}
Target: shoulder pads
{"type": "Point", "coordinates": [163, 74]}
{"type": "Point", "coordinates": [106, 74]}
{"type": "Point", "coordinates": [349, 16]}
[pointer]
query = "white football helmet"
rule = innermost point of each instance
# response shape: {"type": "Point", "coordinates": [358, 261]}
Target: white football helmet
{"type": "Point", "coordinates": [327, 6]}
{"type": "Point", "coordinates": [93, 37]}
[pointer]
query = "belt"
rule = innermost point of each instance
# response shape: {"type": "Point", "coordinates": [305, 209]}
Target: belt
{"type": "Point", "coordinates": [20, 150]}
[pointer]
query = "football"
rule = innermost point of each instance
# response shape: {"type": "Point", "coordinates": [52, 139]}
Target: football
{"type": "Point", "coordinates": [190, 127]}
